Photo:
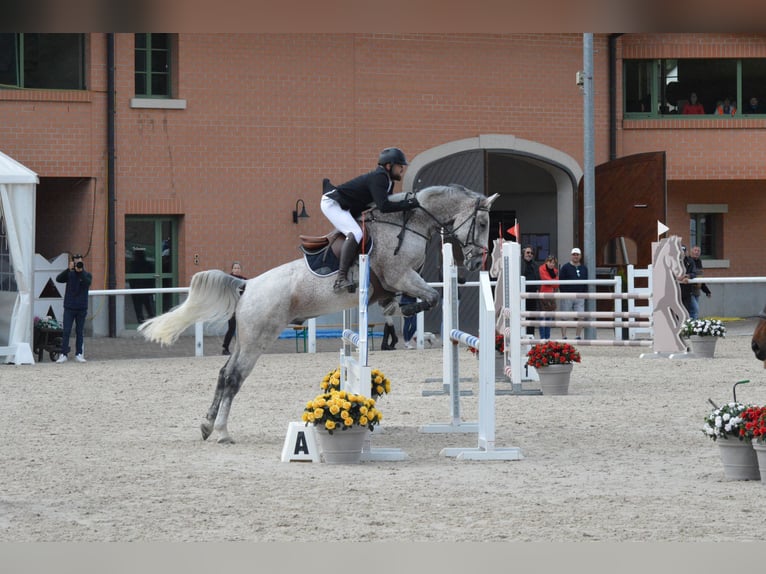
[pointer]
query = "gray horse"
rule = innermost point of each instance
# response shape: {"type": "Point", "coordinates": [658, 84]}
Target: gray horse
{"type": "Point", "coordinates": [291, 293]}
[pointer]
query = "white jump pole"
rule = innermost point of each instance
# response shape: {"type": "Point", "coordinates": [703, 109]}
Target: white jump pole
{"type": "Point", "coordinates": [486, 449]}
{"type": "Point", "coordinates": [356, 372]}
{"type": "Point", "coordinates": [450, 360]}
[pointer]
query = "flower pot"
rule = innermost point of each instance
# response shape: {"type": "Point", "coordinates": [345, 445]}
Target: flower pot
{"type": "Point", "coordinates": [703, 346]}
{"type": "Point", "coordinates": [342, 446]}
{"type": "Point", "coordinates": [739, 459]}
{"type": "Point", "coordinates": [554, 379]}
{"type": "Point", "coordinates": [759, 448]}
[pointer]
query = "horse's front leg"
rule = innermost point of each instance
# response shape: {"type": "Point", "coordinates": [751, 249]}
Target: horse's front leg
{"type": "Point", "coordinates": [207, 425]}
{"type": "Point", "coordinates": [413, 284]}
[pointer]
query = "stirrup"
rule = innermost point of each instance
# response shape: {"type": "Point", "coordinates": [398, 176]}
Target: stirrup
{"type": "Point", "coordinates": [344, 284]}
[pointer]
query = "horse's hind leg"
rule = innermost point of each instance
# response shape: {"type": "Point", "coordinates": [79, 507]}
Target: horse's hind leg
{"type": "Point", "coordinates": [230, 381]}
{"type": "Point", "coordinates": [207, 425]}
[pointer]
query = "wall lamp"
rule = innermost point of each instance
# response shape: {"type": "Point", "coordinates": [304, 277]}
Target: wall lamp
{"type": "Point", "coordinates": [302, 214]}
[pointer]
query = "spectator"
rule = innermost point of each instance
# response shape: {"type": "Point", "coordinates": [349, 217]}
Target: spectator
{"type": "Point", "coordinates": [389, 336]}
{"type": "Point", "coordinates": [75, 306]}
{"type": "Point", "coordinates": [726, 108]}
{"type": "Point", "coordinates": [753, 107]}
{"type": "Point", "coordinates": [530, 272]}
{"type": "Point", "coordinates": [142, 301]}
{"type": "Point", "coordinates": [572, 271]}
{"type": "Point", "coordinates": [548, 272]}
{"type": "Point", "coordinates": [693, 107]}
{"type": "Point", "coordinates": [236, 271]}
{"type": "Point", "coordinates": [687, 288]}
{"type": "Point", "coordinates": [697, 287]}
{"type": "Point", "coordinates": [410, 325]}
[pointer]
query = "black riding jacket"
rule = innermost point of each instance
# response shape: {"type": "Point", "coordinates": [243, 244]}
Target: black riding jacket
{"type": "Point", "coordinates": [357, 195]}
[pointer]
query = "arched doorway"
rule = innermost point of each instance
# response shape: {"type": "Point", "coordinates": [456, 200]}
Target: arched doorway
{"type": "Point", "coordinates": [537, 186]}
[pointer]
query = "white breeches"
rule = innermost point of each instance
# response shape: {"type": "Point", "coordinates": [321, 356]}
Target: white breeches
{"type": "Point", "coordinates": [340, 218]}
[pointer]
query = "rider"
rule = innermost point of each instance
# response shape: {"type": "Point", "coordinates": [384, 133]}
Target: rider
{"type": "Point", "coordinates": [343, 204]}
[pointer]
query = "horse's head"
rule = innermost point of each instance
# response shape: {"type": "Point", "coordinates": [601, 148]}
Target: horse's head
{"type": "Point", "coordinates": [758, 344]}
{"type": "Point", "coordinates": [464, 216]}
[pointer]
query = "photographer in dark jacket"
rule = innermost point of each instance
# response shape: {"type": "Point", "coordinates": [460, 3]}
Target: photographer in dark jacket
{"type": "Point", "coordinates": [687, 289]}
{"type": "Point", "coordinates": [343, 204]}
{"type": "Point", "coordinates": [75, 306]}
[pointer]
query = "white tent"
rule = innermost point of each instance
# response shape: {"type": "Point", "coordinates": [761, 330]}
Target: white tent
{"type": "Point", "coordinates": [18, 189]}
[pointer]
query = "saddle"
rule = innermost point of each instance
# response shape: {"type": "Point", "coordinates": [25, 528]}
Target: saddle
{"type": "Point", "coordinates": [322, 254]}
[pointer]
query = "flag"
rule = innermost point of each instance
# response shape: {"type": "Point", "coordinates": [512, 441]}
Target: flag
{"type": "Point", "coordinates": [515, 230]}
{"type": "Point", "coordinates": [661, 228]}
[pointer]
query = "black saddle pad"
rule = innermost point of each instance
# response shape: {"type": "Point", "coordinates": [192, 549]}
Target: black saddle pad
{"type": "Point", "coordinates": [323, 262]}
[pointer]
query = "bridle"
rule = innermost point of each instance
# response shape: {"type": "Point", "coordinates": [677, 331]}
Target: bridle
{"type": "Point", "coordinates": [449, 232]}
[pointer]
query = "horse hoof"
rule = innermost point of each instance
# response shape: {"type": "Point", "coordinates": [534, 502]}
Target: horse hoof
{"type": "Point", "coordinates": [225, 440]}
{"type": "Point", "coordinates": [206, 430]}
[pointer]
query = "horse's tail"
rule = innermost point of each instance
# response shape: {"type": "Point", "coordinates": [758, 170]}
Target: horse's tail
{"type": "Point", "coordinates": [213, 295]}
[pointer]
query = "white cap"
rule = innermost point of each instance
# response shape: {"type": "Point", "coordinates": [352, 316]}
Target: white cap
{"type": "Point", "coordinates": [576, 250]}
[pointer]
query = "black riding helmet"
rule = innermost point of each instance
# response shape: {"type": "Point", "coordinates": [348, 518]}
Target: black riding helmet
{"type": "Point", "coordinates": [392, 155]}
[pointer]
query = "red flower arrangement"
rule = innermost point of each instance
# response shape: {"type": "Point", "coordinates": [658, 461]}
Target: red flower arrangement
{"type": "Point", "coordinates": [552, 353]}
{"type": "Point", "coordinates": [753, 424]}
{"type": "Point", "coordinates": [499, 345]}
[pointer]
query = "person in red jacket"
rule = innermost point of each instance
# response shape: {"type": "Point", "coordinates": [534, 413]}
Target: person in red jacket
{"type": "Point", "coordinates": [548, 272]}
{"type": "Point", "coordinates": [693, 107]}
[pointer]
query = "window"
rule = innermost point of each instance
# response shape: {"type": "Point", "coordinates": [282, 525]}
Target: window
{"type": "Point", "coordinates": [7, 277]}
{"type": "Point", "coordinates": [706, 230]}
{"type": "Point", "coordinates": [655, 88]}
{"type": "Point", "coordinates": [152, 63]}
{"type": "Point", "coordinates": [42, 61]}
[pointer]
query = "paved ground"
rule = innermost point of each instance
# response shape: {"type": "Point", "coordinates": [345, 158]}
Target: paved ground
{"type": "Point", "coordinates": [133, 346]}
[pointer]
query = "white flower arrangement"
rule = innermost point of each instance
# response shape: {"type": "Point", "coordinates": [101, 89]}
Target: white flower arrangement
{"type": "Point", "coordinates": [703, 328]}
{"type": "Point", "coordinates": [725, 422]}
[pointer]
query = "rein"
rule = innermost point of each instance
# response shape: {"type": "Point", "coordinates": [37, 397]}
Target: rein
{"type": "Point", "coordinates": [449, 233]}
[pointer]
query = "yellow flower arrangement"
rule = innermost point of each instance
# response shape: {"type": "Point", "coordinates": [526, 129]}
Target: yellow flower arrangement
{"type": "Point", "coordinates": [335, 410]}
{"type": "Point", "coordinates": [379, 383]}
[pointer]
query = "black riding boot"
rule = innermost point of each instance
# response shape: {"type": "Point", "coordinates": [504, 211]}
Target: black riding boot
{"type": "Point", "coordinates": [394, 338]}
{"type": "Point", "coordinates": [347, 255]}
{"type": "Point", "coordinates": [389, 338]}
{"type": "Point", "coordinates": [384, 346]}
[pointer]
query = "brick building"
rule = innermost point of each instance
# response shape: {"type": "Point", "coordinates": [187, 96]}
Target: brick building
{"type": "Point", "coordinates": [213, 138]}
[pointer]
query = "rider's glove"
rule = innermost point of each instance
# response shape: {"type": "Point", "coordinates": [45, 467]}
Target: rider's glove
{"type": "Point", "coordinates": [411, 203]}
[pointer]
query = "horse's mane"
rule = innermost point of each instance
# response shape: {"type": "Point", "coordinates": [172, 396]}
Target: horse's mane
{"type": "Point", "coordinates": [450, 191]}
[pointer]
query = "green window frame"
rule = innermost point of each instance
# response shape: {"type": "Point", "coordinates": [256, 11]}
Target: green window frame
{"type": "Point", "coordinates": [660, 88]}
{"type": "Point", "coordinates": [153, 65]}
{"type": "Point", "coordinates": [706, 230]}
{"type": "Point", "coordinates": [42, 61]}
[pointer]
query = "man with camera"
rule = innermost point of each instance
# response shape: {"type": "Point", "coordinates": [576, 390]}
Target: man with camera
{"type": "Point", "coordinates": [75, 305]}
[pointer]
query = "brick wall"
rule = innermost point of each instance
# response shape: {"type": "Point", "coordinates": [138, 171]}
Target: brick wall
{"type": "Point", "coordinates": [269, 115]}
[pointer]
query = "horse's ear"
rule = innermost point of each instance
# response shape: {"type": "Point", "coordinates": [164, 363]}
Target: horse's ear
{"type": "Point", "coordinates": [491, 199]}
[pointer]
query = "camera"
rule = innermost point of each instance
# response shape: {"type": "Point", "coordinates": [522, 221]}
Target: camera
{"type": "Point", "coordinates": [79, 265]}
